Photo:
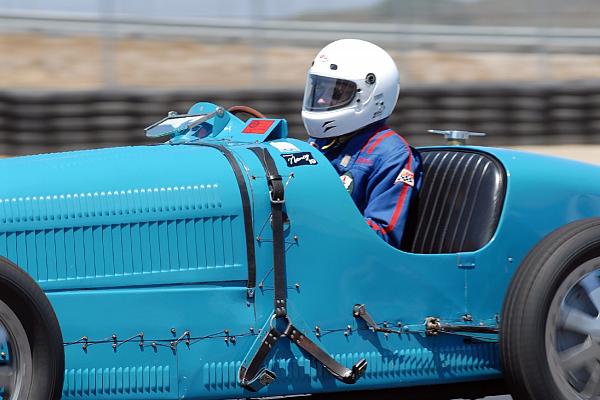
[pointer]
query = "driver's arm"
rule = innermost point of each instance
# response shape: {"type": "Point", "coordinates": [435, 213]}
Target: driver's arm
{"type": "Point", "coordinates": [391, 185]}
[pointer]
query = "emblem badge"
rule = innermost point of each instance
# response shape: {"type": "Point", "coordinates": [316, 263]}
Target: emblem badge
{"type": "Point", "coordinates": [345, 160]}
{"type": "Point", "coordinates": [407, 177]}
{"type": "Point", "coordinates": [348, 181]}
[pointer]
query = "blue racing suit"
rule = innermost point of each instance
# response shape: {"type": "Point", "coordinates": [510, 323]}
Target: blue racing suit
{"type": "Point", "coordinates": [380, 171]}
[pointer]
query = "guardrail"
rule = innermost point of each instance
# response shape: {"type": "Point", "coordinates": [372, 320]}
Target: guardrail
{"type": "Point", "coordinates": [444, 37]}
{"type": "Point", "coordinates": [519, 114]}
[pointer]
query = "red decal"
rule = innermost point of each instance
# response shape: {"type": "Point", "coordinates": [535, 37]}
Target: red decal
{"type": "Point", "coordinates": [258, 126]}
{"type": "Point", "coordinates": [363, 160]}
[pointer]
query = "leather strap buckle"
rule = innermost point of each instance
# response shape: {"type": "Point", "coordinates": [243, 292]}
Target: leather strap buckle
{"type": "Point", "coordinates": [262, 379]}
{"type": "Point", "coordinates": [274, 198]}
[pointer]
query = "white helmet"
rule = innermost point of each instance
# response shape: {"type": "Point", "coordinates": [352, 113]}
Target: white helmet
{"type": "Point", "coordinates": [351, 84]}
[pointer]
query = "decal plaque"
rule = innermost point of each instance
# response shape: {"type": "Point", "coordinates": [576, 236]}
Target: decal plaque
{"type": "Point", "coordinates": [299, 159]}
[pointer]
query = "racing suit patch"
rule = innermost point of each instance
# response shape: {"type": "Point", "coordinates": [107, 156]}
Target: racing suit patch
{"type": "Point", "coordinates": [407, 177]}
{"type": "Point", "coordinates": [346, 160]}
{"type": "Point", "coordinates": [348, 181]}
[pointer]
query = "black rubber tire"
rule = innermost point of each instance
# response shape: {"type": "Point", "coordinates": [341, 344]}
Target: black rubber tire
{"type": "Point", "coordinates": [526, 305]}
{"type": "Point", "coordinates": [30, 304]}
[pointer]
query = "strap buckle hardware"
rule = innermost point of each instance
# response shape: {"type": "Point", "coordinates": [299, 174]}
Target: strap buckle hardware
{"type": "Point", "coordinates": [264, 378]}
{"type": "Point", "coordinates": [276, 190]}
{"type": "Point", "coordinates": [275, 200]}
{"type": "Point", "coordinates": [357, 371]}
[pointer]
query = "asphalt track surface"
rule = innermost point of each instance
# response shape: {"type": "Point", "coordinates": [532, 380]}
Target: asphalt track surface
{"type": "Point", "coordinates": [374, 395]}
{"type": "Point", "coordinates": [485, 390]}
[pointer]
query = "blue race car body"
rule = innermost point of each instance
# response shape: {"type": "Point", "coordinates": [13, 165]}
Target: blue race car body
{"type": "Point", "coordinates": [159, 262]}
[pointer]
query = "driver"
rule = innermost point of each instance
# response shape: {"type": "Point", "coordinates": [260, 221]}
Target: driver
{"type": "Point", "coordinates": [351, 89]}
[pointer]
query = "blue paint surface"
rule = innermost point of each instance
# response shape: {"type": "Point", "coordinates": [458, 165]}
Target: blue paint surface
{"type": "Point", "coordinates": [142, 252]}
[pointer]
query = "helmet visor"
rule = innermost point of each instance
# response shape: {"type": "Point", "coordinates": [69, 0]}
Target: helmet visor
{"type": "Point", "coordinates": [325, 94]}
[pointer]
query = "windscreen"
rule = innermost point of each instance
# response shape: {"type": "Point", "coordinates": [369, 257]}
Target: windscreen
{"type": "Point", "coordinates": [324, 94]}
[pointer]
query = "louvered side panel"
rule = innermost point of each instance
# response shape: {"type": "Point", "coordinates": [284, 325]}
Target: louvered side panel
{"type": "Point", "coordinates": [403, 365]}
{"type": "Point", "coordinates": [148, 381]}
{"type": "Point", "coordinates": [105, 251]}
{"type": "Point", "coordinates": [77, 206]}
{"type": "Point", "coordinates": [220, 375]}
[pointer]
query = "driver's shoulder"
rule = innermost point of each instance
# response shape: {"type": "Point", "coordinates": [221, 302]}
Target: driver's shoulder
{"type": "Point", "coordinates": [391, 144]}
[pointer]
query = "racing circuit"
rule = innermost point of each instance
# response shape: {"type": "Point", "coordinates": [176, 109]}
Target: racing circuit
{"type": "Point", "coordinates": [167, 232]}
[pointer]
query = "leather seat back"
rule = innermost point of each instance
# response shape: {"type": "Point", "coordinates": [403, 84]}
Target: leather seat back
{"type": "Point", "coordinates": [458, 207]}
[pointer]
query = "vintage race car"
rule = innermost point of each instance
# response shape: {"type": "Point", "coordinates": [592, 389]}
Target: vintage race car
{"type": "Point", "coordinates": [230, 262]}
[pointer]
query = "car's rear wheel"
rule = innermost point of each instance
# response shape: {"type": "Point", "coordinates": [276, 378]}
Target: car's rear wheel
{"type": "Point", "coordinates": [31, 347]}
{"type": "Point", "coordinates": [550, 340]}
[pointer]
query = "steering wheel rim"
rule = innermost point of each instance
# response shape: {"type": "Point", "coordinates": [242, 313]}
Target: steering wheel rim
{"type": "Point", "coordinates": [246, 110]}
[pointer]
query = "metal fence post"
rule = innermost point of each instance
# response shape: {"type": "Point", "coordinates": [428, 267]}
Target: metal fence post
{"type": "Point", "coordinates": [260, 68]}
{"type": "Point", "coordinates": [106, 8]}
{"type": "Point", "coordinates": [543, 9]}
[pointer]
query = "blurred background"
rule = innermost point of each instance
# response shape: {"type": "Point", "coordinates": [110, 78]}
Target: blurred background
{"type": "Point", "coordinates": [92, 73]}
